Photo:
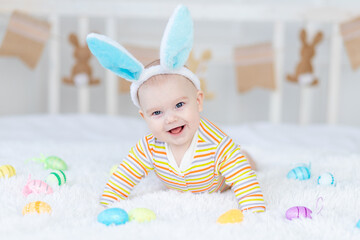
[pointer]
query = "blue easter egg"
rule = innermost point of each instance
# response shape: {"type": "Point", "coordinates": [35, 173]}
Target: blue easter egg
{"type": "Point", "coordinates": [358, 224]}
{"type": "Point", "coordinates": [300, 173]}
{"type": "Point", "coordinates": [115, 216]}
{"type": "Point", "coordinates": [326, 179]}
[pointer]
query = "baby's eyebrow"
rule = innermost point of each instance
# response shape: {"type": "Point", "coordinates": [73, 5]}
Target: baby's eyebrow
{"type": "Point", "coordinates": [181, 99]}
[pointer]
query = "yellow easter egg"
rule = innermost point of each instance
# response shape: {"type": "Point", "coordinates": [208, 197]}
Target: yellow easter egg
{"type": "Point", "coordinates": [113, 169]}
{"type": "Point", "coordinates": [142, 215]}
{"type": "Point", "coordinates": [7, 170]}
{"type": "Point", "coordinates": [231, 216]}
{"type": "Point", "coordinates": [36, 207]}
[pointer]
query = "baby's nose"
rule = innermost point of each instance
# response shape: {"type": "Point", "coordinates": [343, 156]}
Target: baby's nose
{"type": "Point", "coordinates": [171, 117]}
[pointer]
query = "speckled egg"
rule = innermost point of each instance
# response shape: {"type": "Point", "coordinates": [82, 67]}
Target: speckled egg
{"type": "Point", "coordinates": [114, 216]}
{"type": "Point", "coordinates": [326, 179]}
{"type": "Point", "coordinates": [142, 215]}
{"type": "Point", "coordinates": [231, 216]}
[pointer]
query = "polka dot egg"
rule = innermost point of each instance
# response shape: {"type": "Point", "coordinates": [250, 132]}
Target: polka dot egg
{"type": "Point", "coordinates": [326, 179]}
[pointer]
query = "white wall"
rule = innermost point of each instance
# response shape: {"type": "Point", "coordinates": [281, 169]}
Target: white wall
{"type": "Point", "coordinates": [23, 91]}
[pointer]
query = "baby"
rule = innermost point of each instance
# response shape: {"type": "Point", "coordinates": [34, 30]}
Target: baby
{"type": "Point", "coordinates": [187, 152]}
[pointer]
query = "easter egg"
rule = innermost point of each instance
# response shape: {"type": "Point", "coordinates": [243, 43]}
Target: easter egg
{"type": "Point", "coordinates": [113, 169]}
{"type": "Point", "coordinates": [56, 178]}
{"type": "Point", "coordinates": [298, 212]}
{"type": "Point", "coordinates": [326, 179]}
{"type": "Point", "coordinates": [36, 186]}
{"type": "Point", "coordinates": [55, 163]}
{"type": "Point", "coordinates": [142, 215]}
{"type": "Point", "coordinates": [7, 171]}
{"type": "Point", "coordinates": [231, 216]}
{"type": "Point", "coordinates": [36, 207]}
{"type": "Point", "coordinates": [300, 173]}
{"type": "Point", "coordinates": [111, 216]}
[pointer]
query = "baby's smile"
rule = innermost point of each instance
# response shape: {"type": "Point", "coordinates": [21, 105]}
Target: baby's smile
{"type": "Point", "coordinates": [176, 130]}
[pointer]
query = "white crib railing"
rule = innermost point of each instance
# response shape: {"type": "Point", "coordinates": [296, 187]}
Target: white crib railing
{"type": "Point", "coordinates": [111, 10]}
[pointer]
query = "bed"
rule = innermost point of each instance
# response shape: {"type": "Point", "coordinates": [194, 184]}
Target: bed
{"type": "Point", "coordinates": [91, 144]}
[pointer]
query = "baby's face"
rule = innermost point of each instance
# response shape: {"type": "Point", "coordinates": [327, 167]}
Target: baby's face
{"type": "Point", "coordinates": [171, 106]}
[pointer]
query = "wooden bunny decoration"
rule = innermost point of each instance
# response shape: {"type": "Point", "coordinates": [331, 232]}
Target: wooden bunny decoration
{"type": "Point", "coordinates": [198, 67]}
{"type": "Point", "coordinates": [304, 70]}
{"type": "Point", "coordinates": [81, 73]}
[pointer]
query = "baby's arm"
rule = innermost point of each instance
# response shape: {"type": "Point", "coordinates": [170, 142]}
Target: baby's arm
{"type": "Point", "coordinates": [129, 173]}
{"type": "Point", "coordinates": [238, 174]}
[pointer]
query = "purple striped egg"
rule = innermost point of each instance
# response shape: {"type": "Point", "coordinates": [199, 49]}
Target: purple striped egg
{"type": "Point", "coordinates": [298, 212]}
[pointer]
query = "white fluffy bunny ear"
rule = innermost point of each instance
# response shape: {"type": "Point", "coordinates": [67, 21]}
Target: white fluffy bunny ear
{"type": "Point", "coordinates": [114, 57]}
{"type": "Point", "coordinates": [177, 40]}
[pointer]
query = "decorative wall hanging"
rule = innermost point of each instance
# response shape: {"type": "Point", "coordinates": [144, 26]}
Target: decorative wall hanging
{"type": "Point", "coordinates": [81, 73]}
{"type": "Point", "coordinates": [254, 67]}
{"type": "Point", "coordinates": [145, 55]}
{"type": "Point", "coordinates": [304, 73]}
{"type": "Point", "coordinates": [350, 32]}
{"type": "Point", "coordinates": [198, 66]}
{"type": "Point", "coordinates": [25, 38]}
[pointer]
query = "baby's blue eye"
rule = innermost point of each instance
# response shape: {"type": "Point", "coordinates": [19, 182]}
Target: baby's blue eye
{"type": "Point", "coordinates": [156, 113]}
{"type": "Point", "coordinates": [180, 104]}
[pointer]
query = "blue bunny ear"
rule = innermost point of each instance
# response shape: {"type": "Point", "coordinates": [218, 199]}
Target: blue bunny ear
{"type": "Point", "coordinates": [114, 57]}
{"type": "Point", "coordinates": [177, 40]}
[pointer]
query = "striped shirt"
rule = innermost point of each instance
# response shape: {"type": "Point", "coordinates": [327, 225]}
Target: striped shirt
{"type": "Point", "coordinates": [216, 166]}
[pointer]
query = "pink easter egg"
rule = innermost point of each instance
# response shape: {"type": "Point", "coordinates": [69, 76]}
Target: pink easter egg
{"type": "Point", "coordinates": [36, 186]}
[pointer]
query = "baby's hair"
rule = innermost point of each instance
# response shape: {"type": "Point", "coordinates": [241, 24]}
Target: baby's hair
{"type": "Point", "coordinates": [155, 63]}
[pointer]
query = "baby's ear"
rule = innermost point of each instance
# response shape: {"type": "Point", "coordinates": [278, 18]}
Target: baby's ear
{"type": "Point", "coordinates": [141, 113]}
{"type": "Point", "coordinates": [177, 40]}
{"type": "Point", "coordinates": [114, 57]}
{"type": "Point", "coordinates": [200, 100]}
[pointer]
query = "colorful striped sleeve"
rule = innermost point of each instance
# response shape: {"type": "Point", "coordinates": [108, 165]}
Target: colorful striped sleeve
{"type": "Point", "coordinates": [129, 173]}
{"type": "Point", "coordinates": [236, 170]}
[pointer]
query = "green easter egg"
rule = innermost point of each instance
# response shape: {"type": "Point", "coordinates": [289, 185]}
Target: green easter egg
{"type": "Point", "coordinates": [141, 215]}
{"type": "Point", "coordinates": [57, 177]}
{"type": "Point", "coordinates": [55, 163]}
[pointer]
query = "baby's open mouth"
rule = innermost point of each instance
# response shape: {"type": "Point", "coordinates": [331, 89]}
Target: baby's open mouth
{"type": "Point", "coordinates": [176, 130]}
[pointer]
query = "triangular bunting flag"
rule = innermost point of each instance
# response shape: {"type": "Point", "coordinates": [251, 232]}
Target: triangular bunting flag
{"type": "Point", "coordinates": [254, 67]}
{"type": "Point", "coordinates": [350, 32]}
{"type": "Point", "coordinates": [25, 38]}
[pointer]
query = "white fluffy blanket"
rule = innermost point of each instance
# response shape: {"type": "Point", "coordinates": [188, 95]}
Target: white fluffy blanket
{"type": "Point", "coordinates": [92, 144]}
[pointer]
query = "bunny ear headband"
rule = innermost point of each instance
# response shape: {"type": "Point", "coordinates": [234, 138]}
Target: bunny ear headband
{"type": "Point", "coordinates": [175, 48]}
